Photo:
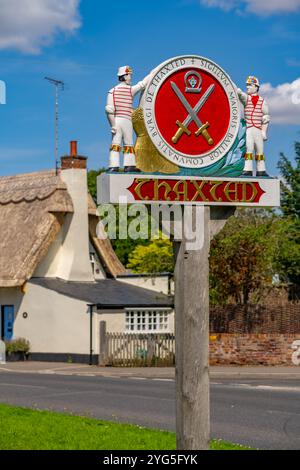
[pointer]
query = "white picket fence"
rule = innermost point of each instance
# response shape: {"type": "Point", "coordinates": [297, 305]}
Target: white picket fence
{"type": "Point", "coordinates": [139, 350]}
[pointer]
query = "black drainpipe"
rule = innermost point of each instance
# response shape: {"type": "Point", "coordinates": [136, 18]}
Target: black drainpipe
{"type": "Point", "coordinates": [90, 306]}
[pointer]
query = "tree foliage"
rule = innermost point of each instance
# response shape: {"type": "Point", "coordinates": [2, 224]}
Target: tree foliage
{"type": "Point", "coordinates": [244, 256]}
{"type": "Point", "coordinates": [289, 257]}
{"type": "Point", "coordinates": [256, 245]}
{"type": "Point", "coordinates": [122, 247]}
{"type": "Point", "coordinates": [92, 181]}
{"type": "Point", "coordinates": [290, 186]}
{"type": "Point", "coordinates": [157, 257]}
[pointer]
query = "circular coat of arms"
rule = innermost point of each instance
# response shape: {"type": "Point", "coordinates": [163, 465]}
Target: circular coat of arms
{"type": "Point", "coordinates": [191, 111]}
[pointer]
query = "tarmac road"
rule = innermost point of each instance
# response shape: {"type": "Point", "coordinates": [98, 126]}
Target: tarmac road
{"type": "Point", "coordinates": [260, 412]}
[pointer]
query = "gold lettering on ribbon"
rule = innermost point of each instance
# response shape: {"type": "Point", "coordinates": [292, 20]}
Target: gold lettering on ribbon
{"type": "Point", "coordinates": [138, 187]}
{"type": "Point", "coordinates": [183, 192]}
{"type": "Point", "coordinates": [244, 192]}
{"type": "Point", "coordinates": [228, 191]}
{"type": "Point", "coordinates": [213, 189]}
{"type": "Point", "coordinates": [157, 187]}
{"type": "Point", "coordinates": [181, 187]}
{"type": "Point", "coordinates": [199, 191]}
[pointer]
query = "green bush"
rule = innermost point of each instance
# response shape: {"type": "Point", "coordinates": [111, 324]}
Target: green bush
{"type": "Point", "coordinates": [17, 345]}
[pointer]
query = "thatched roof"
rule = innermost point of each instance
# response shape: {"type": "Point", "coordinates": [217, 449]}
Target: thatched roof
{"type": "Point", "coordinates": [32, 211]}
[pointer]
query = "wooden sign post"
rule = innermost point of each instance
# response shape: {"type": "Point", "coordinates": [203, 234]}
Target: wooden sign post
{"type": "Point", "coordinates": [192, 331]}
{"type": "Point", "coordinates": [192, 334]}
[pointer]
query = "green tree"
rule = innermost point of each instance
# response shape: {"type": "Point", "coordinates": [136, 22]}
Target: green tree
{"type": "Point", "coordinates": [123, 248]}
{"type": "Point", "coordinates": [290, 186]}
{"type": "Point", "coordinates": [157, 257]}
{"type": "Point", "coordinates": [256, 244]}
{"type": "Point", "coordinates": [289, 255]}
{"type": "Point", "coordinates": [242, 256]}
{"type": "Point", "coordinates": [92, 181]}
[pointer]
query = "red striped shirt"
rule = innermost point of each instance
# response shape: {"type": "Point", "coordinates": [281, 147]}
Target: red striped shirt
{"type": "Point", "coordinates": [123, 101]}
{"type": "Point", "coordinates": [254, 114]}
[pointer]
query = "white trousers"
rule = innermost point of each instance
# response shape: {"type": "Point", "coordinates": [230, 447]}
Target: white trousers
{"type": "Point", "coordinates": [254, 141]}
{"type": "Point", "coordinates": [123, 135]}
{"type": "Point", "coordinates": [255, 145]}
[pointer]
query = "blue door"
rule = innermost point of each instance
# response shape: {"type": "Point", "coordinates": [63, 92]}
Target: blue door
{"type": "Point", "coordinates": [8, 320]}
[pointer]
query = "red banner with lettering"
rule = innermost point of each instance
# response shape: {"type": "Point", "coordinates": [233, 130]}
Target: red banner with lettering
{"type": "Point", "coordinates": [177, 190]}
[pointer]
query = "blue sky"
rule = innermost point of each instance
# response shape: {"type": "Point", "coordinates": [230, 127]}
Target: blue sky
{"type": "Point", "coordinates": [89, 39]}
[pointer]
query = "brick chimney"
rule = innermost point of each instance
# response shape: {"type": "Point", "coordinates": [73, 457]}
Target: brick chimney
{"type": "Point", "coordinates": [73, 161]}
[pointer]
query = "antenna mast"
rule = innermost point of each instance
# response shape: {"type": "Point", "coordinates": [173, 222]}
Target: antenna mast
{"type": "Point", "coordinates": [59, 85]}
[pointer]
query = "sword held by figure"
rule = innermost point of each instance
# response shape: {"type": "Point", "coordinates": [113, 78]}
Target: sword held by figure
{"type": "Point", "coordinates": [192, 116]}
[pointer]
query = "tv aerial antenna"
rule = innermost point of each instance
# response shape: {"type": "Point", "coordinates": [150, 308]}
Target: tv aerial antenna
{"type": "Point", "coordinates": [59, 86]}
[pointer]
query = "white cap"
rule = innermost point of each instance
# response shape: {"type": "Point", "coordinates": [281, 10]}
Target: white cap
{"type": "Point", "coordinates": [124, 70]}
{"type": "Point", "coordinates": [251, 80]}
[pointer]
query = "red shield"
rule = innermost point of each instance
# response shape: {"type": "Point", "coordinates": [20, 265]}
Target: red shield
{"type": "Point", "coordinates": [192, 83]}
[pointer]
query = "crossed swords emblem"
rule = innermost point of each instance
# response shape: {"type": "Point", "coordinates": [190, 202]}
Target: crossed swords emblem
{"type": "Point", "coordinates": [192, 115]}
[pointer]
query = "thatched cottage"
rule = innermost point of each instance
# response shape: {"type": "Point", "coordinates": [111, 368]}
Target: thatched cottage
{"type": "Point", "coordinates": [57, 278]}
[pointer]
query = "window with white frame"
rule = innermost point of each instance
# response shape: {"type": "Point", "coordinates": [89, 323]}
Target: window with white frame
{"type": "Point", "coordinates": [147, 321]}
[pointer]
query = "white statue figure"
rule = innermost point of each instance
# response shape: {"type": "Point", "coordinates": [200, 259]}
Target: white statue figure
{"type": "Point", "coordinates": [257, 120]}
{"type": "Point", "coordinates": [119, 111]}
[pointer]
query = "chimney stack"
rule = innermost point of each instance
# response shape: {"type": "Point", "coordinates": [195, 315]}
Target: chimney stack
{"type": "Point", "coordinates": [73, 147]}
{"type": "Point", "coordinates": [74, 262]}
{"type": "Point", "coordinates": [73, 161]}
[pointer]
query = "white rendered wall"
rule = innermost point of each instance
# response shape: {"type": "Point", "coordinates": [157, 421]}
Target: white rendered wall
{"type": "Point", "coordinates": [59, 324]}
{"type": "Point", "coordinates": [115, 320]}
{"type": "Point", "coordinates": [155, 283]}
{"type": "Point", "coordinates": [68, 257]}
{"type": "Point", "coordinates": [55, 323]}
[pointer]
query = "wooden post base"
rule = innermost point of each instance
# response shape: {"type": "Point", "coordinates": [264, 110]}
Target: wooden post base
{"type": "Point", "coordinates": [192, 330]}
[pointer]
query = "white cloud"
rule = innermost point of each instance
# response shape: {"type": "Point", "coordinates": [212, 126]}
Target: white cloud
{"type": "Point", "coordinates": [258, 7]}
{"type": "Point", "coordinates": [284, 102]}
{"type": "Point", "coordinates": [223, 4]}
{"type": "Point", "coordinates": [273, 6]}
{"type": "Point", "coordinates": [28, 25]}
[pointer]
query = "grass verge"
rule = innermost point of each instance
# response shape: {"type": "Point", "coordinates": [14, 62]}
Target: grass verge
{"type": "Point", "coordinates": [26, 429]}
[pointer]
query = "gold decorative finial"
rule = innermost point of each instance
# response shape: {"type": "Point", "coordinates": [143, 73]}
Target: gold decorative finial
{"type": "Point", "coordinates": [148, 159]}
